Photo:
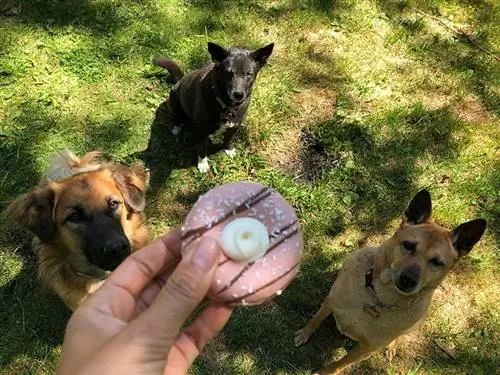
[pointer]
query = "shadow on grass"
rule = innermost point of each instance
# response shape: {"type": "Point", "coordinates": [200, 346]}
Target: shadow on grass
{"type": "Point", "coordinates": [377, 172]}
{"type": "Point", "coordinates": [34, 322]}
{"type": "Point", "coordinates": [99, 17]}
{"type": "Point", "coordinates": [456, 54]}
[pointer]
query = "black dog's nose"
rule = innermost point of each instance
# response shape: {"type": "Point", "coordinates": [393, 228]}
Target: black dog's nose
{"type": "Point", "coordinates": [238, 95]}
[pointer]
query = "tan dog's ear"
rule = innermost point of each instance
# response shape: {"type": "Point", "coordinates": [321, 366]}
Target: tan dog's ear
{"type": "Point", "coordinates": [34, 211]}
{"type": "Point", "coordinates": [132, 182]}
{"type": "Point", "coordinates": [465, 236]}
{"type": "Point", "coordinates": [419, 209]}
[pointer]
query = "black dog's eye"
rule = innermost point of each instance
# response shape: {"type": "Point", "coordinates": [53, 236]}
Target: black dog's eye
{"type": "Point", "coordinates": [410, 246]}
{"type": "Point", "coordinates": [436, 262]}
{"type": "Point", "coordinates": [113, 204]}
{"type": "Point", "coordinates": [76, 216]}
{"type": "Point", "coordinates": [248, 74]}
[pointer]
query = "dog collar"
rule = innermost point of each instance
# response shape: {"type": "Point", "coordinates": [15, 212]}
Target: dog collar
{"type": "Point", "coordinates": [221, 102]}
{"type": "Point", "coordinates": [371, 308]}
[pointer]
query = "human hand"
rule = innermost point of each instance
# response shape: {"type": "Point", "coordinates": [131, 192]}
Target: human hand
{"type": "Point", "coordinates": [131, 324]}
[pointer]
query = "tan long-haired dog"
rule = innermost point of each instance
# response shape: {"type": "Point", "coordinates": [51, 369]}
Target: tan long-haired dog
{"type": "Point", "coordinates": [382, 292]}
{"type": "Point", "coordinates": [87, 217]}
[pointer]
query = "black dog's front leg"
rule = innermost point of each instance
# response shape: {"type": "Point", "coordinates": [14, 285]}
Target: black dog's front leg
{"type": "Point", "coordinates": [203, 166]}
{"type": "Point", "coordinates": [226, 143]}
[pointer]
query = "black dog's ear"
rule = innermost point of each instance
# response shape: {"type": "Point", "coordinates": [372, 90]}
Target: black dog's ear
{"type": "Point", "coordinates": [262, 54]}
{"type": "Point", "coordinates": [33, 211]}
{"type": "Point", "coordinates": [419, 209]}
{"type": "Point", "coordinates": [217, 52]}
{"type": "Point", "coordinates": [132, 182]}
{"type": "Point", "coordinates": [465, 236]}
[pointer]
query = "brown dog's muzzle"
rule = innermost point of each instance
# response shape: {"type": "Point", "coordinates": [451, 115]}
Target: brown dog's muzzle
{"type": "Point", "coordinates": [106, 243]}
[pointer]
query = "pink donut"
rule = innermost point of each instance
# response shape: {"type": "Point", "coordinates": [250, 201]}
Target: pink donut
{"type": "Point", "coordinates": [248, 282]}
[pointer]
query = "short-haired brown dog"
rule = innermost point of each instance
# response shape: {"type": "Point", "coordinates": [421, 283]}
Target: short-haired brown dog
{"type": "Point", "coordinates": [382, 292]}
{"type": "Point", "coordinates": [87, 217]}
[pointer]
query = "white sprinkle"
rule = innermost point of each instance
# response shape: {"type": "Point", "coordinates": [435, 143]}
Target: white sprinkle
{"type": "Point", "coordinates": [235, 295]}
{"type": "Point", "coordinates": [244, 287]}
{"type": "Point", "coordinates": [297, 244]}
{"type": "Point", "coordinates": [250, 289]}
{"type": "Point", "coordinates": [218, 282]}
{"type": "Point", "coordinates": [274, 257]}
{"type": "Point", "coordinates": [234, 212]}
{"type": "Point", "coordinates": [247, 205]}
{"type": "Point", "coordinates": [261, 217]}
{"type": "Point", "coordinates": [183, 228]}
{"type": "Point", "coordinates": [244, 302]}
{"type": "Point", "coordinates": [278, 293]}
{"type": "Point", "coordinates": [257, 273]}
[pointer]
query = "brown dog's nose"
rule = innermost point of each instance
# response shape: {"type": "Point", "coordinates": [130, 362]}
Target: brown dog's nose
{"type": "Point", "coordinates": [116, 248]}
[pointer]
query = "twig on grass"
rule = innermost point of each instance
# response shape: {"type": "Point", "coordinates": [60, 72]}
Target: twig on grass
{"type": "Point", "coordinates": [460, 33]}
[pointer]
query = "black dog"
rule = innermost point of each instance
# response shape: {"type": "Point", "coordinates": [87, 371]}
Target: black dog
{"type": "Point", "coordinates": [215, 98]}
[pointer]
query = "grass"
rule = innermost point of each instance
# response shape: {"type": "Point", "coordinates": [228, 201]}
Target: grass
{"type": "Point", "coordinates": [362, 104]}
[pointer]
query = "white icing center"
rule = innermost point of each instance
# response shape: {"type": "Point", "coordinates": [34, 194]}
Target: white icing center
{"type": "Point", "coordinates": [245, 239]}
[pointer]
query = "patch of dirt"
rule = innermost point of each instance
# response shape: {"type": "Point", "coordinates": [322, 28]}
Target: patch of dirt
{"type": "Point", "coordinates": [472, 111]}
{"type": "Point", "coordinates": [295, 149]}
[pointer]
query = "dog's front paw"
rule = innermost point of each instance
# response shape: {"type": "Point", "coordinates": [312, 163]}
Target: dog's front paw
{"type": "Point", "coordinates": [300, 338]}
{"type": "Point", "coordinates": [231, 152]}
{"type": "Point", "coordinates": [175, 129]}
{"type": "Point", "coordinates": [203, 166]}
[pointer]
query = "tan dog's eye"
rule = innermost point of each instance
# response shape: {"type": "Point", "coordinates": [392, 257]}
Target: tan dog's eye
{"type": "Point", "coordinates": [436, 262]}
{"type": "Point", "coordinates": [114, 204]}
{"type": "Point", "coordinates": [410, 246]}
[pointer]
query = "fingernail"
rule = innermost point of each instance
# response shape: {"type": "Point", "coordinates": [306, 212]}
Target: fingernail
{"type": "Point", "coordinates": [205, 256]}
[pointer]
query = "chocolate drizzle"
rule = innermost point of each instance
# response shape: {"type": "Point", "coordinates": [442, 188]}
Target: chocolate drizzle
{"type": "Point", "coordinates": [235, 300]}
{"type": "Point", "coordinates": [250, 202]}
{"type": "Point", "coordinates": [249, 265]}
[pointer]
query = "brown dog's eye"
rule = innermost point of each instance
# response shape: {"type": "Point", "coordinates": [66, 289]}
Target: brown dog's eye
{"type": "Point", "coordinates": [410, 246]}
{"type": "Point", "coordinates": [76, 216]}
{"type": "Point", "coordinates": [113, 204]}
{"type": "Point", "coordinates": [436, 262]}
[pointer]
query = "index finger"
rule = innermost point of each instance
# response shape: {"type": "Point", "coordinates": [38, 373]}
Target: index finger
{"type": "Point", "coordinates": [125, 284]}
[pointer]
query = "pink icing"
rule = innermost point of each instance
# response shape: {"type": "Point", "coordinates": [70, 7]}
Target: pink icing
{"type": "Point", "coordinates": [254, 282]}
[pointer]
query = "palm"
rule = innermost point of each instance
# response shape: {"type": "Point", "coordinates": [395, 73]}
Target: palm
{"type": "Point", "coordinates": [125, 301]}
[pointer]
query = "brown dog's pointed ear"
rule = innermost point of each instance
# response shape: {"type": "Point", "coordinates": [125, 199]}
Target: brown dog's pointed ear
{"type": "Point", "coordinates": [34, 212]}
{"type": "Point", "coordinates": [465, 236]}
{"type": "Point", "coordinates": [419, 209]}
{"type": "Point", "coordinates": [262, 54]}
{"type": "Point", "coordinates": [132, 182]}
{"type": "Point", "coordinates": [217, 52]}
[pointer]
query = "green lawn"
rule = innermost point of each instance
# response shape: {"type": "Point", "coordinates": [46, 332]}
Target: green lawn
{"type": "Point", "coordinates": [362, 104]}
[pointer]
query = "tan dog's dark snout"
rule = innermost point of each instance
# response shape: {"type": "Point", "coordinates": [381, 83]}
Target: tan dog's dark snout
{"type": "Point", "coordinates": [407, 280]}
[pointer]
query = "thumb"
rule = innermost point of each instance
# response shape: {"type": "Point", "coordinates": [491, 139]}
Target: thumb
{"type": "Point", "coordinates": [159, 326]}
